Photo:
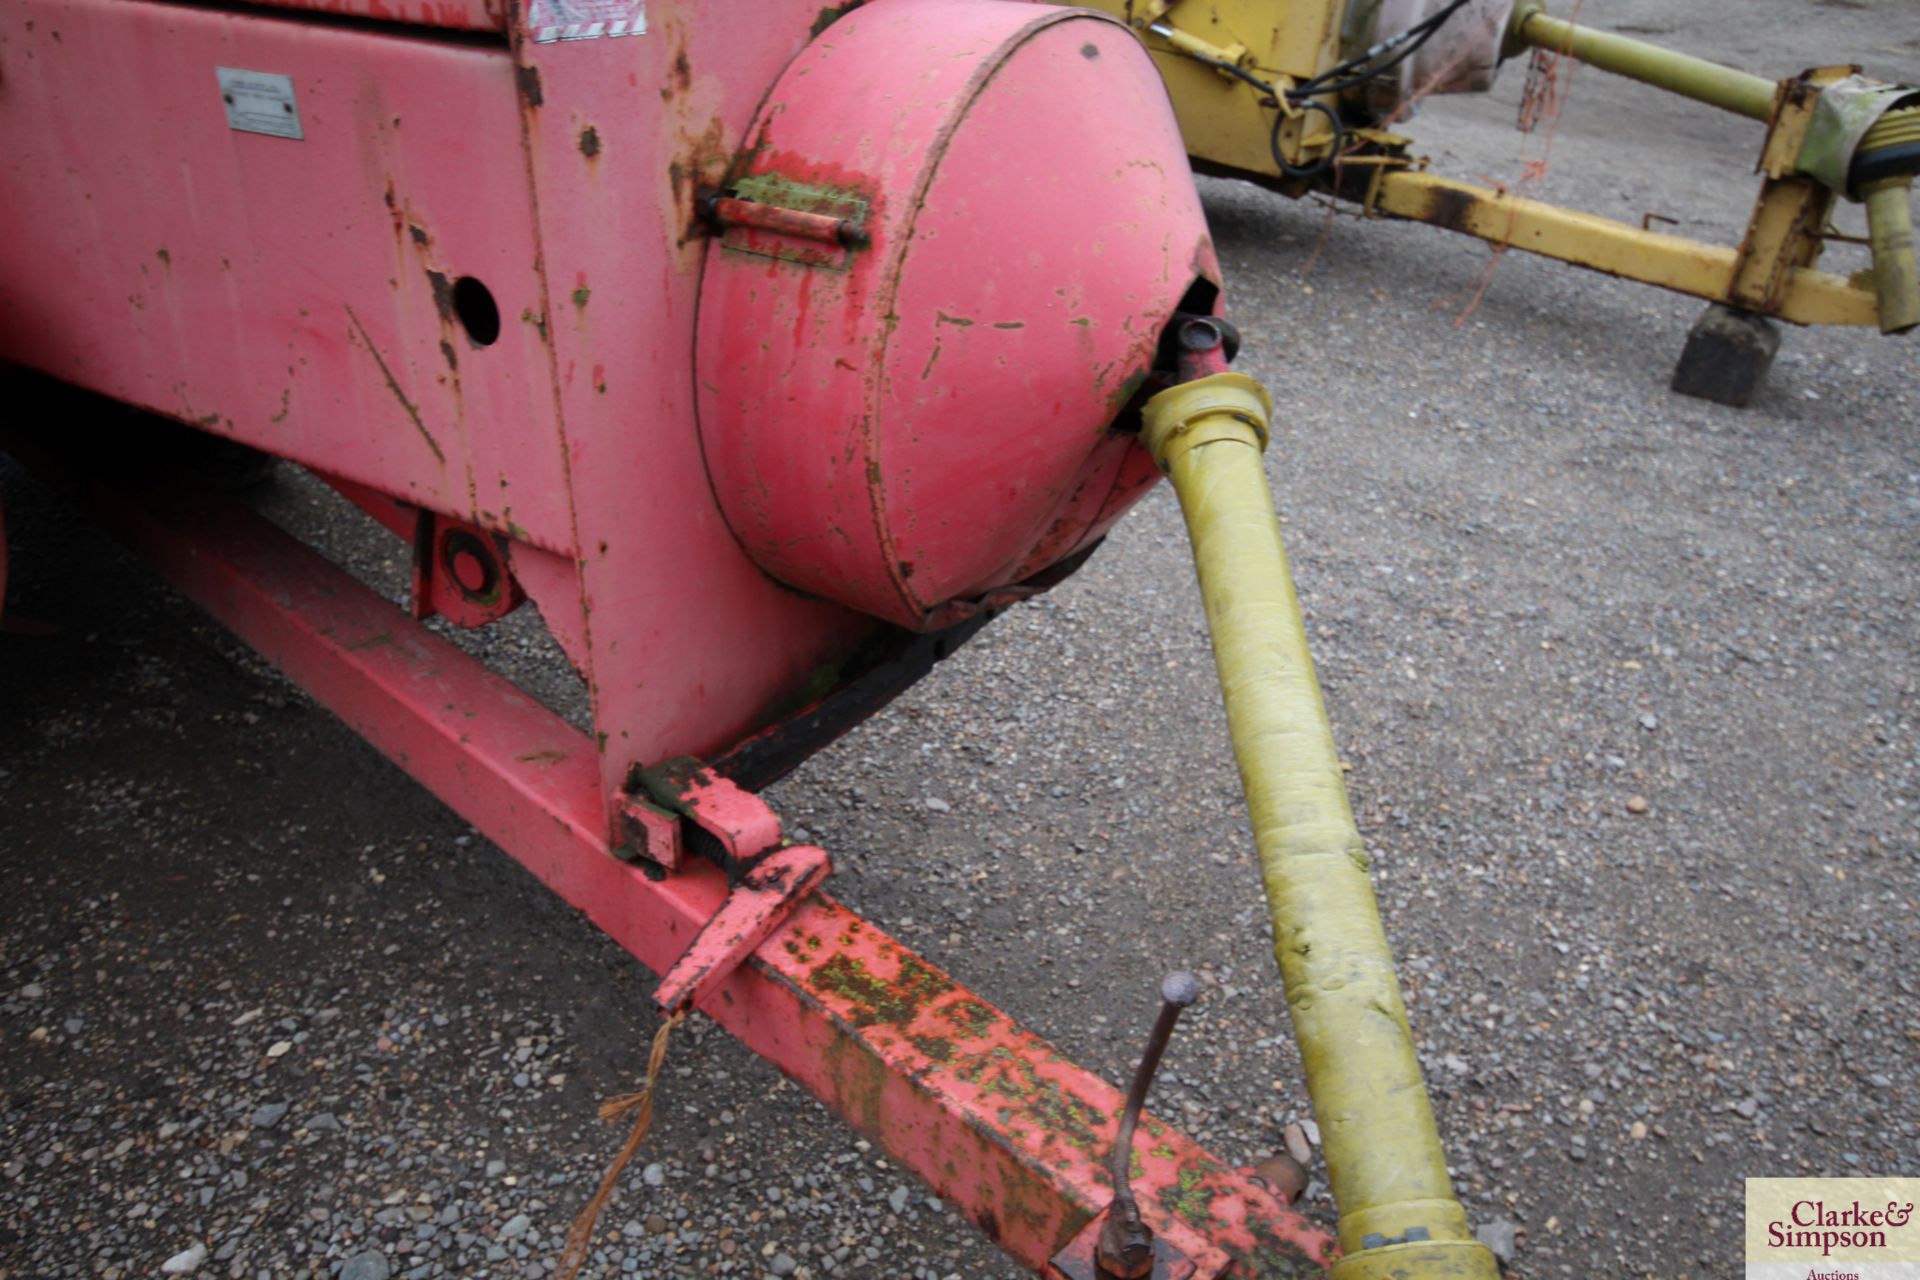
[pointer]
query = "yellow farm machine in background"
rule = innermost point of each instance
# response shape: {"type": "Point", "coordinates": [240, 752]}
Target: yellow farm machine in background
{"type": "Point", "coordinates": [1305, 96]}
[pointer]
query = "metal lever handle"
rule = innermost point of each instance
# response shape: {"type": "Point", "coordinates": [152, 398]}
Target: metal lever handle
{"type": "Point", "coordinates": [727, 211]}
{"type": "Point", "coordinates": [1126, 1243]}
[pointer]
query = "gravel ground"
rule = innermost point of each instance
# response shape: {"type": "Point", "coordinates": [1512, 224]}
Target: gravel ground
{"type": "Point", "coordinates": [1627, 683]}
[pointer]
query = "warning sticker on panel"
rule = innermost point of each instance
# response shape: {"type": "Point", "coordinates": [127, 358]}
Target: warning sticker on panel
{"type": "Point", "coordinates": [552, 20]}
{"type": "Point", "coordinates": [259, 102]}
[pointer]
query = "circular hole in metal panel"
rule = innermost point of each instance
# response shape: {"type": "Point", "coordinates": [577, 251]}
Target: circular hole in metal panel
{"type": "Point", "coordinates": [479, 313]}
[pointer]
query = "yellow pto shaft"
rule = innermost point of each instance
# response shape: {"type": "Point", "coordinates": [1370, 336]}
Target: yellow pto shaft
{"type": "Point", "coordinates": [1740, 92]}
{"type": "Point", "coordinates": [1398, 1214]}
{"type": "Point", "coordinates": [1896, 275]}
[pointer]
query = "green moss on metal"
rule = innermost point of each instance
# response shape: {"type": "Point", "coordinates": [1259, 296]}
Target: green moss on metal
{"type": "Point", "coordinates": [857, 1079]}
{"type": "Point", "coordinates": [973, 1018]}
{"type": "Point", "coordinates": [938, 1048]}
{"type": "Point", "coordinates": [830, 15]}
{"type": "Point", "coordinates": [895, 1003]}
{"type": "Point", "coordinates": [1026, 1197]}
{"type": "Point", "coordinates": [807, 197]}
{"type": "Point", "coordinates": [1274, 1257]}
{"type": "Point", "coordinates": [1190, 1197]}
{"type": "Point", "coordinates": [1035, 1098]}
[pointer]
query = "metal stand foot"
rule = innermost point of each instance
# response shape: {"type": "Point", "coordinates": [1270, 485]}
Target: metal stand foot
{"type": "Point", "coordinates": [1727, 355]}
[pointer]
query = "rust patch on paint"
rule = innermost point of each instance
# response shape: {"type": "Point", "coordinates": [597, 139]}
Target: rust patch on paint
{"type": "Point", "coordinates": [442, 294]}
{"type": "Point", "coordinates": [589, 142]}
{"type": "Point", "coordinates": [1452, 207]}
{"type": "Point", "coordinates": [528, 80]}
{"type": "Point", "coordinates": [704, 161]}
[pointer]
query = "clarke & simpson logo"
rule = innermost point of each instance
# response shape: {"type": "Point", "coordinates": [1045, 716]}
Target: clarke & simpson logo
{"type": "Point", "coordinates": [1833, 1229]}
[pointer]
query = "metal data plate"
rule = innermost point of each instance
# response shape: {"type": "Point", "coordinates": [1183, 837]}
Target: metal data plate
{"type": "Point", "coordinates": [259, 102]}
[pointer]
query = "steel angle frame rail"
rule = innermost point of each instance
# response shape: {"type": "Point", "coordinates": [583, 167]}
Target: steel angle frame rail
{"type": "Point", "coordinates": [988, 1114]}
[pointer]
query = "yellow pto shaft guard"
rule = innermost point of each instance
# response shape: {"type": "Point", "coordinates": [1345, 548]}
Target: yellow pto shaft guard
{"type": "Point", "coordinates": [1896, 276]}
{"type": "Point", "coordinates": [1398, 1214]}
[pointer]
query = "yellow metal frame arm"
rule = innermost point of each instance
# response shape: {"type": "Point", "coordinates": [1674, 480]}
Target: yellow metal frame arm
{"type": "Point", "coordinates": [1805, 296]}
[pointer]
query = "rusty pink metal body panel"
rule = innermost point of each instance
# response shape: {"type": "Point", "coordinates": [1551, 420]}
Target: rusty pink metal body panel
{"type": "Point", "coordinates": [469, 277]}
{"type": "Point", "coordinates": [689, 641]}
{"type": "Point", "coordinates": [292, 294]}
{"type": "Point", "coordinates": [907, 424]}
{"type": "Point", "coordinates": [985, 1112]}
{"type": "Point", "coordinates": [462, 271]}
{"type": "Point", "coordinates": [464, 15]}
{"type": "Point", "coordinates": [304, 296]}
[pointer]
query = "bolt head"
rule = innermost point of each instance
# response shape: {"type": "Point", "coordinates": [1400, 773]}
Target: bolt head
{"type": "Point", "coordinates": [1199, 333]}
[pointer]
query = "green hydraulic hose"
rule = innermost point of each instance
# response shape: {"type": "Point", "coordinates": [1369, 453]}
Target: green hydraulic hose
{"type": "Point", "coordinates": [1398, 1214]}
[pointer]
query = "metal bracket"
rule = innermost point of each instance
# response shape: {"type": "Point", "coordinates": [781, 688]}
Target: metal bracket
{"type": "Point", "coordinates": [1783, 233]}
{"type": "Point", "coordinates": [773, 216]}
{"type": "Point", "coordinates": [652, 833]}
{"type": "Point", "coordinates": [1079, 1259]}
{"type": "Point", "coordinates": [460, 572]}
{"type": "Point", "coordinates": [755, 907]}
{"type": "Point", "coordinates": [729, 825]}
